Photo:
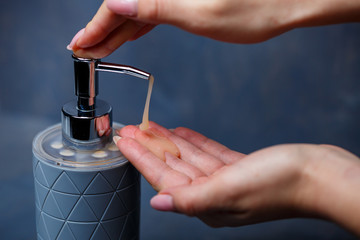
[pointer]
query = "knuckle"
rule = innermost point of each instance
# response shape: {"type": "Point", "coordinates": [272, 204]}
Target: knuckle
{"type": "Point", "coordinates": [180, 130]}
{"type": "Point", "coordinates": [217, 7]}
{"type": "Point", "coordinates": [191, 205]}
{"type": "Point", "coordinates": [214, 7]}
{"type": "Point", "coordinates": [187, 206]}
{"type": "Point", "coordinates": [149, 10]}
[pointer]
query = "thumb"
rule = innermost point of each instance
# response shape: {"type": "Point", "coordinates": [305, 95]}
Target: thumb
{"type": "Point", "coordinates": [156, 11]}
{"type": "Point", "coordinates": [190, 200]}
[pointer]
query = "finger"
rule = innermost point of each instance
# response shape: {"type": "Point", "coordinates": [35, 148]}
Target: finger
{"type": "Point", "coordinates": [127, 131]}
{"type": "Point", "coordinates": [198, 158]}
{"type": "Point", "coordinates": [102, 24]}
{"type": "Point", "coordinates": [205, 162]}
{"type": "Point", "coordinates": [185, 13]}
{"type": "Point", "coordinates": [75, 39]}
{"type": "Point", "coordinates": [155, 171]}
{"type": "Point", "coordinates": [153, 140]}
{"type": "Point", "coordinates": [183, 167]}
{"type": "Point", "coordinates": [173, 12]}
{"type": "Point", "coordinates": [207, 145]}
{"type": "Point", "coordinates": [130, 130]}
{"type": "Point", "coordinates": [123, 7]}
{"type": "Point", "coordinates": [114, 40]}
{"type": "Point", "coordinates": [147, 28]}
{"type": "Point", "coordinates": [170, 159]}
{"type": "Point", "coordinates": [192, 200]}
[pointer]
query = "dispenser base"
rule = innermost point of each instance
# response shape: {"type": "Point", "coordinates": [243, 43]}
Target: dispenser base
{"type": "Point", "coordinates": [72, 204]}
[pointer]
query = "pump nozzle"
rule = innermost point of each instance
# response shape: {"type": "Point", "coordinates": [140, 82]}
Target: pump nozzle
{"type": "Point", "coordinates": [87, 122]}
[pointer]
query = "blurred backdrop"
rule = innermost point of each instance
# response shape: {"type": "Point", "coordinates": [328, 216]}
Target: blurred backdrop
{"type": "Point", "coordinates": [302, 87]}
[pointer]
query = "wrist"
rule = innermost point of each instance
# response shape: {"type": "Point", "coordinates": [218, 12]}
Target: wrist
{"type": "Point", "coordinates": [330, 180]}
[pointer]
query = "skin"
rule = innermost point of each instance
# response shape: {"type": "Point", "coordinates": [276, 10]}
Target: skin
{"type": "Point", "coordinates": [226, 188]}
{"type": "Point", "coordinates": [155, 141]}
{"type": "Point", "coordinates": [207, 180]}
{"type": "Point", "coordinates": [245, 21]}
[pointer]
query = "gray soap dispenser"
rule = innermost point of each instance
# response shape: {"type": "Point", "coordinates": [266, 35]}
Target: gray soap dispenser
{"type": "Point", "coordinates": [84, 187]}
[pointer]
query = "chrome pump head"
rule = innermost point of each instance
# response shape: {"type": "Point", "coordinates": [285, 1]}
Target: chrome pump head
{"type": "Point", "coordinates": [87, 121]}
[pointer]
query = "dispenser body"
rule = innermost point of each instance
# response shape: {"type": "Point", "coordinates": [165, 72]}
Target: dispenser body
{"type": "Point", "coordinates": [84, 187]}
{"type": "Point", "coordinates": [83, 194]}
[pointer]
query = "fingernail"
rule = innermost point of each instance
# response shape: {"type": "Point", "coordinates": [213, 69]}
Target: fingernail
{"type": "Point", "coordinates": [163, 202]}
{"type": "Point", "coordinates": [116, 139]}
{"type": "Point", "coordinates": [75, 38]}
{"type": "Point", "coordinates": [123, 7]}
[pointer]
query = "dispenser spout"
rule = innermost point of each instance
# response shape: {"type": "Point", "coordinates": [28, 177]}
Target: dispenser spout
{"type": "Point", "coordinates": [117, 68]}
{"type": "Point", "coordinates": [86, 79]}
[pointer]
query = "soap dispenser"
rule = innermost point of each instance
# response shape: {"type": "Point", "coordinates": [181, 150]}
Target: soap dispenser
{"type": "Point", "coordinates": [84, 186]}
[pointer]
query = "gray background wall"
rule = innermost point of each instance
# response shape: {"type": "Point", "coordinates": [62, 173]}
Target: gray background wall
{"type": "Point", "coordinates": [302, 86]}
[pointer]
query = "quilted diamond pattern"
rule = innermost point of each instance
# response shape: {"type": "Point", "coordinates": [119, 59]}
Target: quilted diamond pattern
{"type": "Point", "coordinates": [53, 225]}
{"type": "Point", "coordinates": [64, 184]}
{"type": "Point", "coordinates": [65, 233]}
{"type": "Point", "coordinates": [82, 230]}
{"type": "Point", "coordinates": [96, 205]}
{"type": "Point", "coordinates": [99, 203]}
{"type": "Point", "coordinates": [81, 179]}
{"type": "Point", "coordinates": [100, 233]}
{"type": "Point", "coordinates": [51, 207]}
{"type": "Point", "coordinates": [99, 185]}
{"type": "Point", "coordinates": [66, 202]}
{"type": "Point", "coordinates": [82, 212]}
{"type": "Point", "coordinates": [41, 193]}
{"type": "Point", "coordinates": [114, 227]}
{"type": "Point", "coordinates": [115, 208]}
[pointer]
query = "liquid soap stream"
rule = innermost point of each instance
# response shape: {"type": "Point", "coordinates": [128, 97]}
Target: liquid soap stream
{"type": "Point", "coordinates": [145, 121]}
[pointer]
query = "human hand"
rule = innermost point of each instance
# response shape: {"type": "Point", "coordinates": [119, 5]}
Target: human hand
{"type": "Point", "coordinates": [105, 33]}
{"type": "Point", "coordinates": [246, 21]}
{"type": "Point", "coordinates": [219, 186]}
{"type": "Point", "coordinates": [226, 188]}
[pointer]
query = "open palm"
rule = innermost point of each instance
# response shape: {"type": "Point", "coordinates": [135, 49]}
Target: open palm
{"type": "Point", "coordinates": [220, 186]}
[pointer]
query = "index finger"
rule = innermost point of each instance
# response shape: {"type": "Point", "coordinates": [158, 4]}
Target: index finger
{"type": "Point", "coordinates": [209, 146]}
{"type": "Point", "coordinates": [102, 24]}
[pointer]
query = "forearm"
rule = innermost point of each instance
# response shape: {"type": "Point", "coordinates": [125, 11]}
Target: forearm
{"type": "Point", "coordinates": [342, 204]}
{"type": "Point", "coordinates": [333, 189]}
{"type": "Point", "coordinates": [320, 12]}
